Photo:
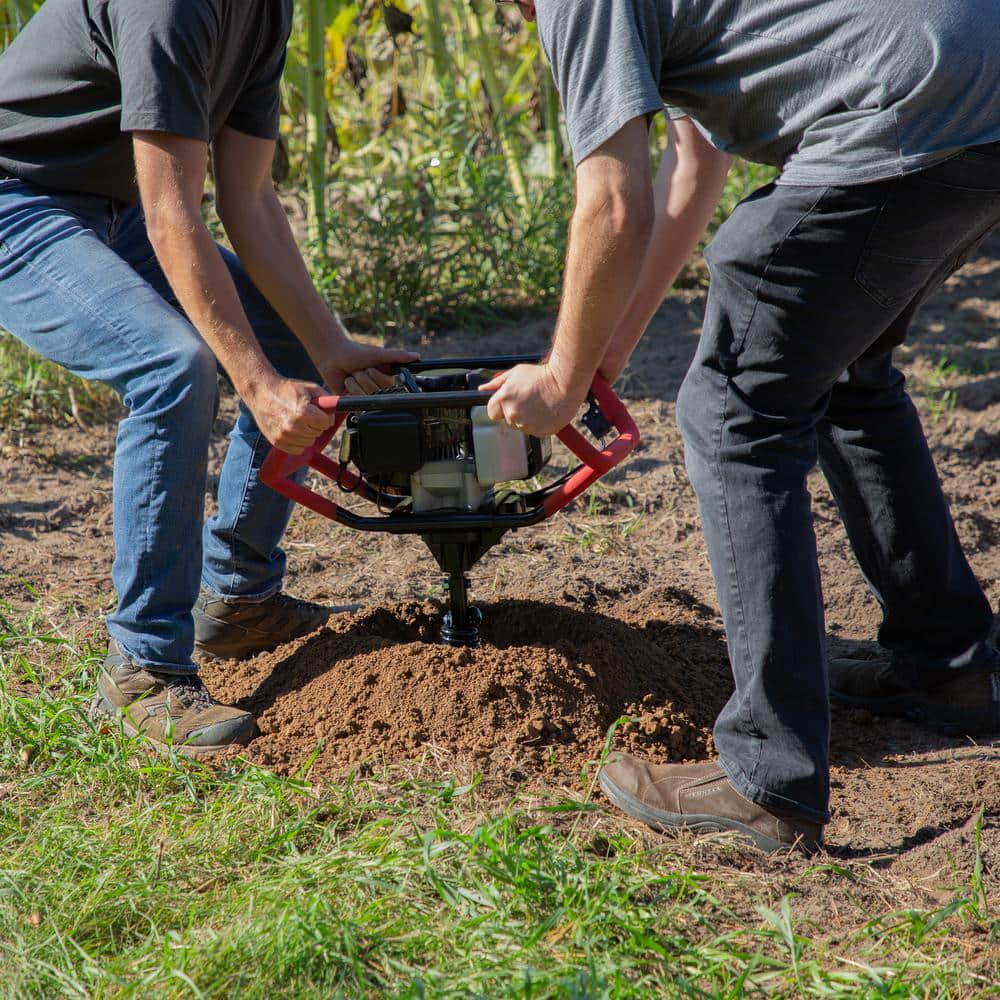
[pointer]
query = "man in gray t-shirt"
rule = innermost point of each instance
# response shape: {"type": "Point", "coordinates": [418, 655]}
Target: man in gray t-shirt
{"type": "Point", "coordinates": [832, 92]}
{"type": "Point", "coordinates": [108, 112]}
{"type": "Point", "coordinates": [884, 122]}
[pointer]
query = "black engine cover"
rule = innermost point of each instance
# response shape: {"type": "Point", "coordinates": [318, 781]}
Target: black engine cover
{"type": "Point", "coordinates": [384, 443]}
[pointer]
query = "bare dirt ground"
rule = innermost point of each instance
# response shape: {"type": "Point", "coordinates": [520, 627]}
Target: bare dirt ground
{"type": "Point", "coordinates": [606, 611]}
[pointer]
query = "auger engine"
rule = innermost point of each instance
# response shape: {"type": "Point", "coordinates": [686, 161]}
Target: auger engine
{"type": "Point", "coordinates": [427, 456]}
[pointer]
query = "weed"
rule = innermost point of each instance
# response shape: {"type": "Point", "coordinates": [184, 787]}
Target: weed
{"type": "Point", "coordinates": [442, 240]}
{"type": "Point", "coordinates": [34, 391]}
{"type": "Point", "coordinates": [631, 526]}
{"type": "Point", "coordinates": [943, 399]}
{"type": "Point", "coordinates": [979, 901]}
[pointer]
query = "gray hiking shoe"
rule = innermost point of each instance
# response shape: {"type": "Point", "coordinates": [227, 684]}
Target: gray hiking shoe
{"type": "Point", "coordinates": [964, 702]}
{"type": "Point", "coordinates": [234, 630]}
{"type": "Point", "coordinates": [699, 797]}
{"type": "Point", "coordinates": [169, 710]}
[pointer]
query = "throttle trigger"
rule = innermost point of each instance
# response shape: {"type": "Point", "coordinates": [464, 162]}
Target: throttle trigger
{"type": "Point", "coordinates": [595, 421]}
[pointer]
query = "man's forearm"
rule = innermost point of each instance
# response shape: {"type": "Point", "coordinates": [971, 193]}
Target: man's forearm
{"type": "Point", "coordinates": [607, 246]}
{"type": "Point", "coordinates": [203, 286]}
{"type": "Point", "coordinates": [264, 242]}
{"type": "Point", "coordinates": [687, 193]}
{"type": "Point", "coordinates": [608, 237]}
{"type": "Point", "coordinates": [681, 217]}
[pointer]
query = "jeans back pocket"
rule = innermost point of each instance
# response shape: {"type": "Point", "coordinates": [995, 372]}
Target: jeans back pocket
{"type": "Point", "coordinates": [892, 280]}
{"type": "Point", "coordinates": [925, 224]}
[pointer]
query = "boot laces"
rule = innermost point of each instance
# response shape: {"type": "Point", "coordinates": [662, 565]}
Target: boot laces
{"type": "Point", "coordinates": [190, 692]}
{"type": "Point", "coordinates": [282, 606]}
{"type": "Point", "coordinates": [286, 601]}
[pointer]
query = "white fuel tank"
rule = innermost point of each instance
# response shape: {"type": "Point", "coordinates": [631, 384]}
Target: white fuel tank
{"type": "Point", "coordinates": [501, 451]}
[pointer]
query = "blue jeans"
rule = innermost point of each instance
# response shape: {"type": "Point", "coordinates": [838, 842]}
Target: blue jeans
{"type": "Point", "coordinates": [81, 285]}
{"type": "Point", "coordinates": [811, 289]}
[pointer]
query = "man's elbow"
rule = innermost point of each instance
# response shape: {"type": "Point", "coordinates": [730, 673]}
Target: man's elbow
{"type": "Point", "coordinates": [167, 222]}
{"type": "Point", "coordinates": [626, 216]}
{"type": "Point", "coordinates": [703, 165]}
{"type": "Point", "coordinates": [709, 172]}
{"type": "Point", "coordinates": [642, 217]}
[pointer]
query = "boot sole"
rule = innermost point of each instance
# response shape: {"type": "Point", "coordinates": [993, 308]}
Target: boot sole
{"type": "Point", "coordinates": [906, 706]}
{"type": "Point", "coordinates": [666, 822]}
{"type": "Point", "coordinates": [241, 650]}
{"type": "Point", "coordinates": [101, 708]}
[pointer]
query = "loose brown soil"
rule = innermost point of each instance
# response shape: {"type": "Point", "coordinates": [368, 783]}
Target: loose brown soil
{"type": "Point", "coordinates": [604, 612]}
{"type": "Point", "coordinates": [538, 697]}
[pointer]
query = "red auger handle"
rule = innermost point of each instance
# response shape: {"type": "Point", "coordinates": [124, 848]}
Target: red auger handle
{"type": "Point", "coordinates": [595, 463]}
{"type": "Point", "coordinates": [279, 467]}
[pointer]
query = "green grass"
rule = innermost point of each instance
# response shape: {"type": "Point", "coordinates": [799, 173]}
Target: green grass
{"type": "Point", "coordinates": [123, 874]}
{"type": "Point", "coordinates": [34, 392]}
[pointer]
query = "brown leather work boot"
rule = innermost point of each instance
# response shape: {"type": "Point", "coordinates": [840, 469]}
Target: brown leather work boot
{"type": "Point", "coordinates": [963, 702]}
{"type": "Point", "coordinates": [226, 629]}
{"type": "Point", "coordinates": [170, 710]}
{"type": "Point", "coordinates": [700, 797]}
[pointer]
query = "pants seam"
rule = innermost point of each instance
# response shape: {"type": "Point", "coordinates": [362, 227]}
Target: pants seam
{"type": "Point", "coordinates": [740, 609]}
{"type": "Point", "coordinates": [251, 466]}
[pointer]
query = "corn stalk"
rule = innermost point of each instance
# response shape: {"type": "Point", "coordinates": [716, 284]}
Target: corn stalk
{"type": "Point", "coordinates": [14, 14]}
{"type": "Point", "coordinates": [315, 101]}
{"type": "Point", "coordinates": [495, 93]}
{"type": "Point", "coordinates": [443, 69]}
{"type": "Point", "coordinates": [550, 117]}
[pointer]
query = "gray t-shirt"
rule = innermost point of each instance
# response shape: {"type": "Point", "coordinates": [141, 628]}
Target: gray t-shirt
{"type": "Point", "coordinates": [85, 73]}
{"type": "Point", "coordinates": [831, 91]}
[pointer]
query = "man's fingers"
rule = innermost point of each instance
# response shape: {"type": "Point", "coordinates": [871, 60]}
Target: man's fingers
{"type": "Point", "coordinates": [502, 409]}
{"type": "Point", "coordinates": [317, 392]}
{"type": "Point", "coordinates": [394, 356]}
{"type": "Point", "coordinates": [314, 421]}
{"type": "Point", "coordinates": [365, 382]}
{"type": "Point", "coordinates": [359, 384]}
{"type": "Point", "coordinates": [382, 380]}
{"type": "Point", "coordinates": [495, 382]}
{"type": "Point", "coordinates": [295, 442]}
{"type": "Point", "coordinates": [494, 410]}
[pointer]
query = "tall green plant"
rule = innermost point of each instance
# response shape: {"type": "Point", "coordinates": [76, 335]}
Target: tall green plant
{"type": "Point", "coordinates": [14, 14]}
{"type": "Point", "coordinates": [316, 15]}
{"type": "Point", "coordinates": [433, 25]}
{"type": "Point", "coordinates": [495, 93]}
{"type": "Point", "coordinates": [551, 111]}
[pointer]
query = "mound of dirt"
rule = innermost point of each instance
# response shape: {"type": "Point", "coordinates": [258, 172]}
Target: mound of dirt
{"type": "Point", "coordinates": [537, 697]}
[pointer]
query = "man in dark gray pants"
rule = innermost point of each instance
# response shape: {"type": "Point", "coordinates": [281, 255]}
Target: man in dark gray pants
{"type": "Point", "coordinates": [885, 123]}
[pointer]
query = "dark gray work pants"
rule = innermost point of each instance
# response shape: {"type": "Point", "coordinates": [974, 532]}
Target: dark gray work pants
{"type": "Point", "coordinates": [811, 288]}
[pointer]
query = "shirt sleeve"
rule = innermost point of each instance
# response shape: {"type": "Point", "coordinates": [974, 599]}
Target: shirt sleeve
{"type": "Point", "coordinates": [258, 108]}
{"type": "Point", "coordinates": [606, 60]}
{"type": "Point", "coordinates": [165, 51]}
